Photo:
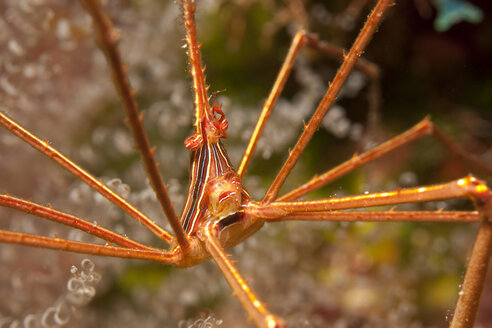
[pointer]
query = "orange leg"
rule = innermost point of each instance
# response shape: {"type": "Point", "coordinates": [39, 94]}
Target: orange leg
{"type": "Point", "coordinates": [424, 128]}
{"type": "Point", "coordinates": [476, 271]}
{"type": "Point", "coordinates": [421, 129]}
{"type": "Point", "coordinates": [387, 216]}
{"type": "Point", "coordinates": [256, 309]}
{"type": "Point", "coordinates": [76, 170]}
{"type": "Point", "coordinates": [349, 61]}
{"type": "Point", "coordinates": [465, 187]}
{"type": "Point", "coordinates": [108, 39]}
{"type": "Point", "coordinates": [173, 257]}
{"type": "Point", "coordinates": [370, 69]}
{"type": "Point", "coordinates": [300, 39]}
{"type": "Point", "coordinates": [69, 220]}
{"type": "Point", "coordinates": [297, 43]}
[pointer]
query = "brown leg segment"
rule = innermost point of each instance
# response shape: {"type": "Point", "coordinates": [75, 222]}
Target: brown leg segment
{"type": "Point", "coordinates": [108, 39]}
{"type": "Point", "coordinates": [424, 128]}
{"type": "Point", "coordinates": [174, 257]}
{"type": "Point", "coordinates": [300, 39]}
{"type": "Point", "coordinates": [387, 216]}
{"type": "Point", "coordinates": [421, 129]}
{"type": "Point", "coordinates": [329, 98]}
{"type": "Point", "coordinates": [83, 175]}
{"type": "Point", "coordinates": [69, 220]}
{"type": "Point", "coordinates": [476, 271]}
{"type": "Point", "coordinates": [465, 187]}
{"type": "Point", "coordinates": [256, 309]}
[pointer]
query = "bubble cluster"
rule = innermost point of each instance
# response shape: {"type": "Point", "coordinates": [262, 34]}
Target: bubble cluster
{"type": "Point", "coordinates": [208, 322]}
{"type": "Point", "coordinates": [81, 285]}
{"type": "Point", "coordinates": [80, 290]}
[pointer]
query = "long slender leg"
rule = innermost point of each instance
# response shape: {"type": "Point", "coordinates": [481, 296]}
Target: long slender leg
{"type": "Point", "coordinates": [194, 55]}
{"type": "Point", "coordinates": [424, 128]}
{"type": "Point", "coordinates": [370, 69]}
{"type": "Point", "coordinates": [297, 42]}
{"type": "Point", "coordinates": [300, 39]}
{"type": "Point", "coordinates": [108, 39]}
{"type": "Point", "coordinates": [387, 216]}
{"type": "Point", "coordinates": [421, 129]}
{"type": "Point", "coordinates": [76, 170]}
{"type": "Point", "coordinates": [455, 149]}
{"type": "Point", "coordinates": [257, 311]}
{"type": "Point", "coordinates": [353, 10]}
{"type": "Point", "coordinates": [173, 257]}
{"type": "Point", "coordinates": [465, 187]}
{"type": "Point", "coordinates": [468, 300]}
{"type": "Point", "coordinates": [330, 96]}
{"type": "Point", "coordinates": [69, 220]}
{"type": "Point", "coordinates": [476, 271]}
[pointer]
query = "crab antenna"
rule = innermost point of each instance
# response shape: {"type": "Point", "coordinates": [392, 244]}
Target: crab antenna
{"type": "Point", "coordinates": [199, 86]}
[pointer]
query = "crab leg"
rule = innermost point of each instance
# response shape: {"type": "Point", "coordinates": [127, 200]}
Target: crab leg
{"type": "Point", "coordinates": [76, 170]}
{"type": "Point", "coordinates": [424, 128]}
{"type": "Point", "coordinates": [421, 129]}
{"type": "Point", "coordinates": [172, 257]}
{"type": "Point", "coordinates": [370, 69]}
{"type": "Point", "coordinates": [465, 187]}
{"type": "Point", "coordinates": [301, 39]}
{"type": "Point", "coordinates": [297, 42]}
{"type": "Point", "coordinates": [256, 309]}
{"type": "Point", "coordinates": [108, 39]}
{"type": "Point", "coordinates": [476, 272]}
{"type": "Point", "coordinates": [199, 84]}
{"type": "Point", "coordinates": [386, 216]}
{"type": "Point", "coordinates": [329, 98]}
{"type": "Point", "coordinates": [69, 220]}
{"type": "Point", "coordinates": [455, 149]}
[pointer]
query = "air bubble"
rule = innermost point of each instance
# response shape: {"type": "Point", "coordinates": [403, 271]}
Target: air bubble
{"type": "Point", "coordinates": [63, 29]}
{"type": "Point", "coordinates": [408, 179]}
{"type": "Point", "coordinates": [74, 285]}
{"type": "Point", "coordinates": [266, 153]}
{"type": "Point", "coordinates": [30, 321]}
{"type": "Point", "coordinates": [8, 87]}
{"type": "Point", "coordinates": [15, 324]}
{"type": "Point", "coordinates": [95, 277]}
{"type": "Point", "coordinates": [355, 82]}
{"type": "Point", "coordinates": [15, 48]}
{"type": "Point", "coordinates": [63, 313]}
{"type": "Point", "coordinates": [75, 235]}
{"type": "Point", "coordinates": [341, 129]}
{"type": "Point", "coordinates": [356, 132]}
{"type": "Point", "coordinates": [48, 318]}
{"type": "Point", "coordinates": [123, 142]}
{"type": "Point", "coordinates": [29, 71]}
{"type": "Point", "coordinates": [89, 292]}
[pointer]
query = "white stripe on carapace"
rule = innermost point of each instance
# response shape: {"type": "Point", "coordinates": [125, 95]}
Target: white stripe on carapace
{"type": "Point", "coordinates": [209, 161]}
